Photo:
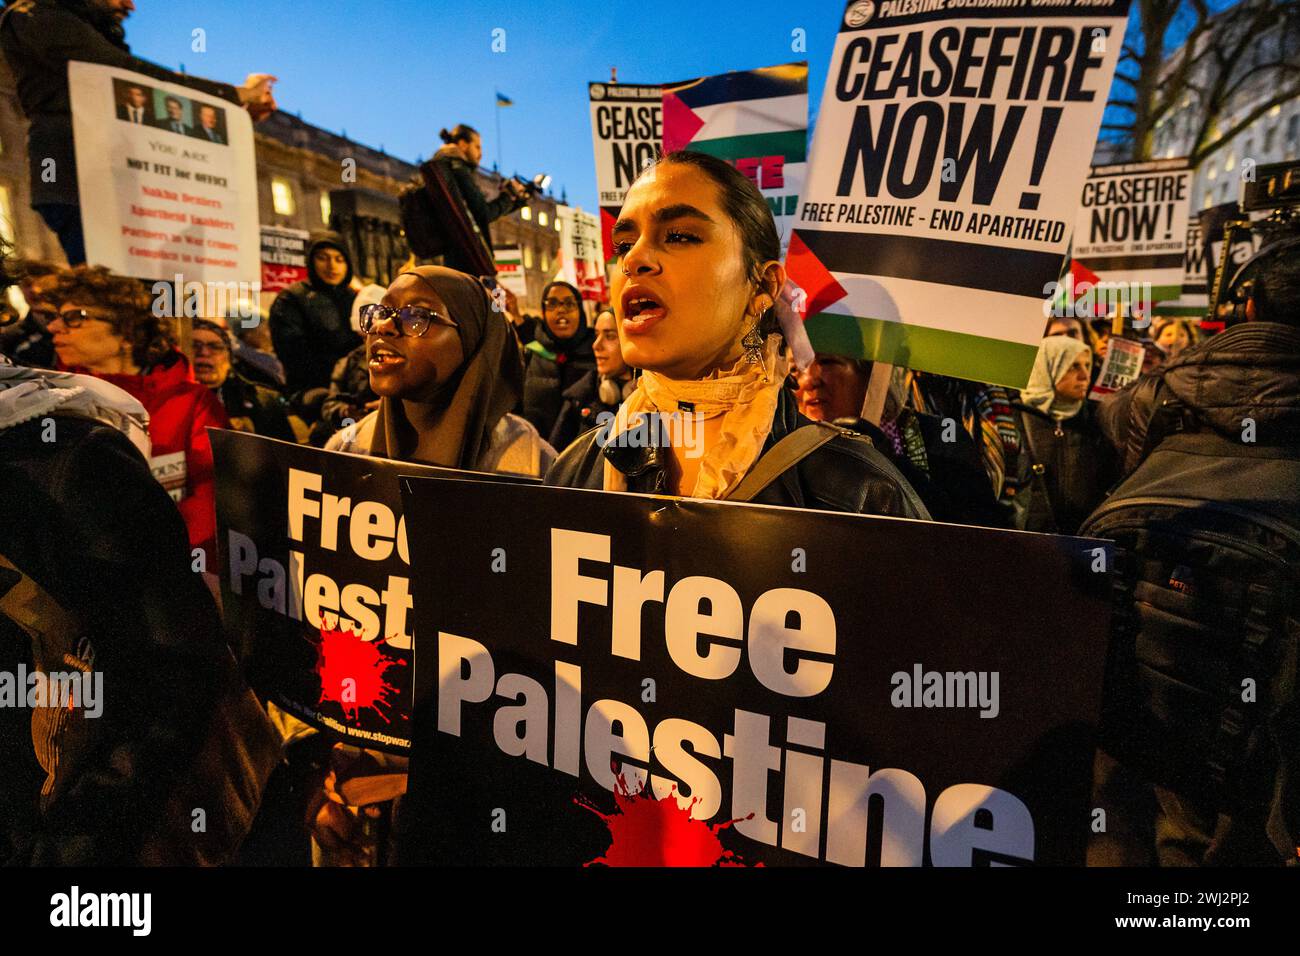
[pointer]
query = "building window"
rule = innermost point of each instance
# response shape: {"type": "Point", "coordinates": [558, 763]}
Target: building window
{"type": "Point", "coordinates": [557, 225]}
{"type": "Point", "coordinates": [6, 216]}
{"type": "Point", "coordinates": [541, 218]}
{"type": "Point", "coordinates": [282, 196]}
{"type": "Point", "coordinates": [526, 214]}
{"type": "Point", "coordinates": [528, 256]}
{"type": "Point", "coordinates": [1213, 173]}
{"type": "Point", "coordinates": [326, 208]}
{"type": "Point", "coordinates": [1270, 136]}
{"type": "Point", "coordinates": [546, 262]}
{"type": "Point", "coordinates": [1292, 127]}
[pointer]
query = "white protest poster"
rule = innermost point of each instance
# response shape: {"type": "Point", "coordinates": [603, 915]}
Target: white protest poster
{"type": "Point", "coordinates": [510, 270]}
{"type": "Point", "coordinates": [284, 257]}
{"type": "Point", "coordinates": [627, 131]}
{"type": "Point", "coordinates": [1131, 230]}
{"type": "Point", "coordinates": [1122, 367]}
{"type": "Point", "coordinates": [951, 144]}
{"type": "Point", "coordinates": [167, 178]}
{"type": "Point", "coordinates": [581, 261]}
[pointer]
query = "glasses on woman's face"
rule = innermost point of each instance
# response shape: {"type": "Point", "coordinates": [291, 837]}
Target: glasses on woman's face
{"type": "Point", "coordinates": [210, 348]}
{"type": "Point", "coordinates": [71, 318]}
{"type": "Point", "coordinates": [412, 320]}
{"type": "Point", "coordinates": [554, 304]}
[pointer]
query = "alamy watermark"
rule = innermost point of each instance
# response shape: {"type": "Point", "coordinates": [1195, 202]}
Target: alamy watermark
{"type": "Point", "coordinates": [1089, 301]}
{"type": "Point", "coordinates": [211, 300]}
{"type": "Point", "coordinates": [23, 688]}
{"type": "Point", "coordinates": [655, 430]}
{"type": "Point", "coordinates": [956, 689]}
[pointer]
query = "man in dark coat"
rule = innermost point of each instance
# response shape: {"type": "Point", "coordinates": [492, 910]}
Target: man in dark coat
{"type": "Point", "coordinates": [39, 38]}
{"type": "Point", "coordinates": [96, 579]}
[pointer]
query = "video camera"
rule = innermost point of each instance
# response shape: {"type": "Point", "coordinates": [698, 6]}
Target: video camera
{"type": "Point", "coordinates": [1275, 189]}
{"type": "Point", "coordinates": [538, 184]}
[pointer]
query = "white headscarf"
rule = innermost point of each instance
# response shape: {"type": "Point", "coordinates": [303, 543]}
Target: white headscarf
{"type": "Point", "coordinates": [1055, 356]}
{"type": "Point", "coordinates": [28, 393]}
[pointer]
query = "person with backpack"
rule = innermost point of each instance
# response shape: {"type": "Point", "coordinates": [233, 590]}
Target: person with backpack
{"type": "Point", "coordinates": [1197, 757]}
{"type": "Point", "coordinates": [461, 152]}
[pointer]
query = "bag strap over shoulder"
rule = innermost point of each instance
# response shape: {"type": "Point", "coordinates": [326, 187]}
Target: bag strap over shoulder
{"type": "Point", "coordinates": [783, 456]}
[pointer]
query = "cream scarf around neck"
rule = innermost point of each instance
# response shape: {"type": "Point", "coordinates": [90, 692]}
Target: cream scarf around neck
{"type": "Point", "coordinates": [744, 394]}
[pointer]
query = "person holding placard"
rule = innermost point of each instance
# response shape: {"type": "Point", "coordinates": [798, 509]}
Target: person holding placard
{"type": "Point", "coordinates": [448, 371]}
{"type": "Point", "coordinates": [39, 38]}
{"type": "Point", "coordinates": [695, 297]}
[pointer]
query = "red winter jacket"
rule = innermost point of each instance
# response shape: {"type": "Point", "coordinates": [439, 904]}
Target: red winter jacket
{"type": "Point", "coordinates": [179, 410]}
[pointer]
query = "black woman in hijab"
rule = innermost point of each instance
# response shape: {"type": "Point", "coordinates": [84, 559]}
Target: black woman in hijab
{"type": "Point", "coordinates": [447, 371]}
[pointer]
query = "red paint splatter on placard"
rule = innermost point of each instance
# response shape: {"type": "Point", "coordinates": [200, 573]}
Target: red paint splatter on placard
{"type": "Point", "coordinates": [343, 655]}
{"type": "Point", "coordinates": [649, 832]}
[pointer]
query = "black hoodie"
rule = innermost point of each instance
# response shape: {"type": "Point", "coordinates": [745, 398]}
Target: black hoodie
{"type": "Point", "coordinates": [311, 322]}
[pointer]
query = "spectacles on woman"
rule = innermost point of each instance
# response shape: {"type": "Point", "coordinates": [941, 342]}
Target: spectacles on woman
{"type": "Point", "coordinates": [554, 304]}
{"type": "Point", "coordinates": [71, 318]}
{"type": "Point", "coordinates": [210, 348]}
{"type": "Point", "coordinates": [412, 320]}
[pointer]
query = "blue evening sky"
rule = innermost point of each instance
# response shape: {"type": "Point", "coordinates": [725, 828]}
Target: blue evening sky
{"type": "Point", "coordinates": [390, 73]}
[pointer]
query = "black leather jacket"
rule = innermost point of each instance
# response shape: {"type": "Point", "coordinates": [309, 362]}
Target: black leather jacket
{"type": "Point", "coordinates": [846, 474]}
{"type": "Point", "coordinates": [1062, 471]}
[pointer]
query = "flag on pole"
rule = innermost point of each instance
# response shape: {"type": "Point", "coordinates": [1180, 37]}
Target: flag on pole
{"type": "Point", "coordinates": [503, 100]}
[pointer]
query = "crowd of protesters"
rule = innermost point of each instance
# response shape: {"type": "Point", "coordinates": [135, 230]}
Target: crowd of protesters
{"type": "Point", "coordinates": [433, 369]}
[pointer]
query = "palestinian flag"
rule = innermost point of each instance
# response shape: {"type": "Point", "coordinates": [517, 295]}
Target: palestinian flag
{"type": "Point", "coordinates": [757, 120]}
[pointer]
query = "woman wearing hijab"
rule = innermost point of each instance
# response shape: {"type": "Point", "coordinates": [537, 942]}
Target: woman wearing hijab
{"type": "Point", "coordinates": [559, 355]}
{"type": "Point", "coordinates": [1064, 466]}
{"type": "Point", "coordinates": [600, 391]}
{"type": "Point", "coordinates": [696, 303]}
{"type": "Point", "coordinates": [310, 320]}
{"type": "Point", "coordinates": [447, 371]}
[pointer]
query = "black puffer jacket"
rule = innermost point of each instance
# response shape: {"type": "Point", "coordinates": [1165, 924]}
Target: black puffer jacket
{"type": "Point", "coordinates": [1251, 371]}
{"type": "Point", "coordinates": [255, 406]}
{"type": "Point", "coordinates": [311, 323]}
{"type": "Point", "coordinates": [349, 394]}
{"type": "Point", "coordinates": [582, 410]}
{"type": "Point", "coordinates": [846, 474]}
{"type": "Point", "coordinates": [1192, 771]}
{"type": "Point", "coordinates": [554, 365]}
{"type": "Point", "coordinates": [1061, 472]}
